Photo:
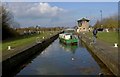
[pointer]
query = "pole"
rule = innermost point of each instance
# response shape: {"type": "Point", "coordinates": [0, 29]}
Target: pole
{"type": "Point", "coordinates": [101, 17]}
{"type": "Point", "coordinates": [101, 14]}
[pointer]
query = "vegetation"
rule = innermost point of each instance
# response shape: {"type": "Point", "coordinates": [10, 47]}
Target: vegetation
{"type": "Point", "coordinates": [33, 30]}
{"type": "Point", "coordinates": [25, 41]}
{"type": "Point", "coordinates": [7, 20]}
{"type": "Point", "coordinates": [110, 22]}
{"type": "Point", "coordinates": [108, 37]}
{"type": "Point", "coordinates": [11, 29]}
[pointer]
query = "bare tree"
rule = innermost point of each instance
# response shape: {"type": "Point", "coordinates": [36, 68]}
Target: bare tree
{"type": "Point", "coordinates": [110, 22]}
{"type": "Point", "coordinates": [7, 18]}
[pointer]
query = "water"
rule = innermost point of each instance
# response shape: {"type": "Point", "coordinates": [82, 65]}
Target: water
{"type": "Point", "coordinates": [60, 59]}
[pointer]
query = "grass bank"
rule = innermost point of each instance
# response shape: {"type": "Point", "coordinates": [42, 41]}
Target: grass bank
{"type": "Point", "coordinates": [26, 40]}
{"type": "Point", "coordinates": [109, 37]}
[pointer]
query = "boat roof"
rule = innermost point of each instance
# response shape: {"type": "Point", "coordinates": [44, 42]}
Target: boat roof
{"type": "Point", "coordinates": [70, 29]}
{"type": "Point", "coordinates": [68, 33]}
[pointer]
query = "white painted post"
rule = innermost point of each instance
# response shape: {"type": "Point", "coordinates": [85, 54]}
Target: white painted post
{"type": "Point", "coordinates": [43, 37]}
{"type": "Point", "coordinates": [115, 45]}
{"type": "Point", "coordinates": [107, 30]}
{"type": "Point", "coordinates": [9, 47]}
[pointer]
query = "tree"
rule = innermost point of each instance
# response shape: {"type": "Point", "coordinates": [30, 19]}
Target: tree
{"type": "Point", "coordinates": [7, 18]}
{"type": "Point", "coordinates": [110, 22]}
{"type": "Point", "coordinates": [97, 25]}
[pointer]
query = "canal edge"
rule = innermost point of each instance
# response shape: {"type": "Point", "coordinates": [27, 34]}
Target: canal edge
{"type": "Point", "coordinates": [111, 64]}
{"type": "Point", "coordinates": [23, 56]}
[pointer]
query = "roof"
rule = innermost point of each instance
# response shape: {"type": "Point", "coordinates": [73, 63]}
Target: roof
{"type": "Point", "coordinates": [83, 19]}
{"type": "Point", "coordinates": [69, 29]}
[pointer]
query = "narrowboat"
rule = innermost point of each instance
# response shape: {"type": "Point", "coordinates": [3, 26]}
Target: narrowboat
{"type": "Point", "coordinates": [68, 37]}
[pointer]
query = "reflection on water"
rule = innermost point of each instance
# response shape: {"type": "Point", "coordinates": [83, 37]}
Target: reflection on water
{"type": "Point", "coordinates": [61, 59]}
{"type": "Point", "coordinates": [68, 47]}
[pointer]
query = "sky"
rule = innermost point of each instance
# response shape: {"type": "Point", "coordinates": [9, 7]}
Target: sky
{"type": "Point", "coordinates": [60, 0]}
{"type": "Point", "coordinates": [53, 14]}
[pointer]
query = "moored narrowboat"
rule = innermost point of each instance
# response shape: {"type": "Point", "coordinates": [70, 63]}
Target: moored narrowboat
{"type": "Point", "coordinates": [68, 37]}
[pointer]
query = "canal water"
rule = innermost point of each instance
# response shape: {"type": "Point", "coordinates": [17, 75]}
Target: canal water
{"type": "Point", "coordinates": [61, 59]}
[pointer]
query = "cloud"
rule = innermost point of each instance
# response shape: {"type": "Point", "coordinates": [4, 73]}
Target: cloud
{"type": "Point", "coordinates": [35, 10]}
{"type": "Point", "coordinates": [29, 13]}
{"type": "Point", "coordinates": [45, 8]}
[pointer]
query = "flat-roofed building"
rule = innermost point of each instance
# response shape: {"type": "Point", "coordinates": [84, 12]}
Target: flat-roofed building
{"type": "Point", "coordinates": [83, 25]}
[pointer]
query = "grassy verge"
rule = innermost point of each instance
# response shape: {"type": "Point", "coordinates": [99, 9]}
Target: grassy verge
{"type": "Point", "coordinates": [23, 41]}
{"type": "Point", "coordinates": [109, 37]}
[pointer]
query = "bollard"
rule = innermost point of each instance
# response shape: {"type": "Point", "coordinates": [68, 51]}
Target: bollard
{"type": "Point", "coordinates": [9, 47]}
{"type": "Point", "coordinates": [43, 37]}
{"type": "Point", "coordinates": [115, 45]}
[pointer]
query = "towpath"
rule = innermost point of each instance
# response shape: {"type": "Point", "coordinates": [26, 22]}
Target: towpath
{"type": "Point", "coordinates": [106, 52]}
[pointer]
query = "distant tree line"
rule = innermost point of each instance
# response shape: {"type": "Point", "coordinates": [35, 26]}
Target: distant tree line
{"type": "Point", "coordinates": [110, 23]}
{"type": "Point", "coordinates": [37, 29]}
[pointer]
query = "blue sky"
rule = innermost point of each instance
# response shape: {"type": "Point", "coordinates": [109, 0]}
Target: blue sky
{"type": "Point", "coordinates": [60, 13]}
{"type": "Point", "coordinates": [60, 0]}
